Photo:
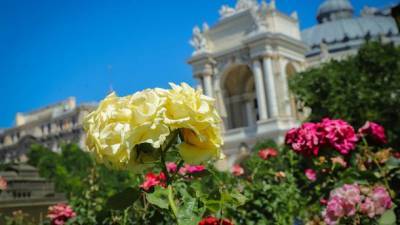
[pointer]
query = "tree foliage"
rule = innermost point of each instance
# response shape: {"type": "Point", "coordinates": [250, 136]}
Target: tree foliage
{"type": "Point", "coordinates": [365, 87]}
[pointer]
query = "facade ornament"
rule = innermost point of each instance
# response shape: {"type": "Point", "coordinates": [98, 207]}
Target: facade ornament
{"type": "Point", "coordinates": [369, 11]}
{"type": "Point", "coordinates": [226, 11]}
{"type": "Point", "coordinates": [294, 15]}
{"type": "Point", "coordinates": [272, 5]}
{"type": "Point", "coordinates": [246, 4]}
{"type": "Point", "coordinates": [324, 51]}
{"type": "Point", "coordinates": [260, 22]}
{"type": "Point", "coordinates": [206, 27]}
{"type": "Point", "coordinates": [264, 5]}
{"type": "Point", "coordinates": [198, 41]}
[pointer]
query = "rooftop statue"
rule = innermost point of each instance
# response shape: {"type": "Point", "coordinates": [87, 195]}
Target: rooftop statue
{"type": "Point", "coordinates": [199, 41]}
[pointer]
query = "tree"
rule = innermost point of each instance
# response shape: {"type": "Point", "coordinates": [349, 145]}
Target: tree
{"type": "Point", "coordinates": [365, 87]}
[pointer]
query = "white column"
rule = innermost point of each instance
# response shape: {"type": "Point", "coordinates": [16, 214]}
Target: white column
{"type": "Point", "coordinates": [260, 90]}
{"type": "Point", "coordinates": [207, 85]}
{"type": "Point", "coordinates": [269, 77]}
{"type": "Point", "coordinates": [284, 78]}
{"type": "Point", "coordinates": [250, 113]}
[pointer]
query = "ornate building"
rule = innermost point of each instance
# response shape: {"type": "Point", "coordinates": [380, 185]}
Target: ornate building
{"type": "Point", "coordinates": [339, 34]}
{"type": "Point", "coordinates": [27, 191]}
{"type": "Point", "coordinates": [243, 61]}
{"type": "Point", "coordinates": [51, 126]}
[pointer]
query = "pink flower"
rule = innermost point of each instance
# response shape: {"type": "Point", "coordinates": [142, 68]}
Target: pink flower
{"type": "Point", "coordinates": [60, 213]}
{"type": "Point", "coordinates": [340, 135]}
{"type": "Point", "coordinates": [323, 201]}
{"type": "Point", "coordinates": [171, 167]}
{"type": "Point", "coordinates": [373, 130]}
{"type": "Point", "coordinates": [267, 153]}
{"type": "Point", "coordinates": [306, 140]}
{"type": "Point", "coordinates": [152, 180]}
{"type": "Point", "coordinates": [334, 211]}
{"type": "Point", "coordinates": [3, 184]}
{"type": "Point", "coordinates": [191, 169]}
{"type": "Point", "coordinates": [382, 200]}
{"type": "Point", "coordinates": [237, 170]}
{"type": "Point", "coordinates": [311, 174]}
{"type": "Point", "coordinates": [368, 207]}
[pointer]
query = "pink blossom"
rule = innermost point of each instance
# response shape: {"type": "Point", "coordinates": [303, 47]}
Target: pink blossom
{"type": "Point", "coordinates": [334, 210]}
{"type": "Point", "coordinates": [306, 140]}
{"type": "Point", "coordinates": [194, 169]}
{"type": "Point", "coordinates": [350, 193]}
{"type": "Point", "coordinates": [152, 180]}
{"type": "Point", "coordinates": [267, 153]}
{"type": "Point", "coordinates": [311, 174]}
{"type": "Point", "coordinates": [339, 135]}
{"type": "Point", "coordinates": [368, 207]}
{"type": "Point", "coordinates": [373, 130]}
{"type": "Point", "coordinates": [3, 184]}
{"type": "Point", "coordinates": [237, 170]}
{"type": "Point", "coordinates": [171, 167]}
{"type": "Point", "coordinates": [60, 213]}
{"type": "Point", "coordinates": [191, 169]}
{"type": "Point", "coordinates": [381, 199]}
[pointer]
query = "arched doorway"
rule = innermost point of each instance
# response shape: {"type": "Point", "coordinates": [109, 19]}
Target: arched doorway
{"type": "Point", "coordinates": [239, 97]}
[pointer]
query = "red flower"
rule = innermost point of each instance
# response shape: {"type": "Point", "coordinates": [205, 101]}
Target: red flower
{"type": "Point", "coordinates": [237, 170]}
{"type": "Point", "coordinates": [373, 130]}
{"type": "Point", "coordinates": [339, 135]}
{"type": "Point", "coordinates": [307, 139]}
{"type": "Point", "coordinates": [396, 155]}
{"type": "Point", "coordinates": [60, 213]}
{"type": "Point", "coordinates": [152, 180]}
{"type": "Point", "coordinates": [267, 153]}
{"type": "Point", "coordinates": [214, 221]}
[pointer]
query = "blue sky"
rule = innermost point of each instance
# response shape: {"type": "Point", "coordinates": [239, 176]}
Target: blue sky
{"type": "Point", "coordinates": [50, 50]}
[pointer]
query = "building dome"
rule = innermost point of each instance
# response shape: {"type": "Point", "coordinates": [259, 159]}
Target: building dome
{"type": "Point", "coordinates": [333, 10]}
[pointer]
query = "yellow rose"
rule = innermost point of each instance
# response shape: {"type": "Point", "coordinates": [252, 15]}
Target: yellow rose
{"type": "Point", "coordinates": [117, 127]}
{"type": "Point", "coordinates": [194, 114]}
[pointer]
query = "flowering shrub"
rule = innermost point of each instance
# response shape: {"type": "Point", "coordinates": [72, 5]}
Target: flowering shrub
{"type": "Point", "coordinates": [59, 214]}
{"type": "Point", "coordinates": [345, 156]}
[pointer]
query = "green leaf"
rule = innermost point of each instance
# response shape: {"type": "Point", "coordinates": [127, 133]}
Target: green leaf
{"type": "Point", "coordinates": [389, 218]}
{"type": "Point", "coordinates": [189, 213]}
{"type": "Point", "coordinates": [159, 197]}
{"type": "Point", "coordinates": [123, 200]}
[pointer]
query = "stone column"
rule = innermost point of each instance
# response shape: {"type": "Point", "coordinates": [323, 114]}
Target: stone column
{"type": "Point", "coordinates": [208, 85]}
{"type": "Point", "coordinates": [260, 90]}
{"type": "Point", "coordinates": [250, 113]}
{"type": "Point", "coordinates": [284, 78]}
{"type": "Point", "coordinates": [269, 77]}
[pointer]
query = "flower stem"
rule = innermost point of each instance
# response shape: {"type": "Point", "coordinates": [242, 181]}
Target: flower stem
{"type": "Point", "coordinates": [172, 202]}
